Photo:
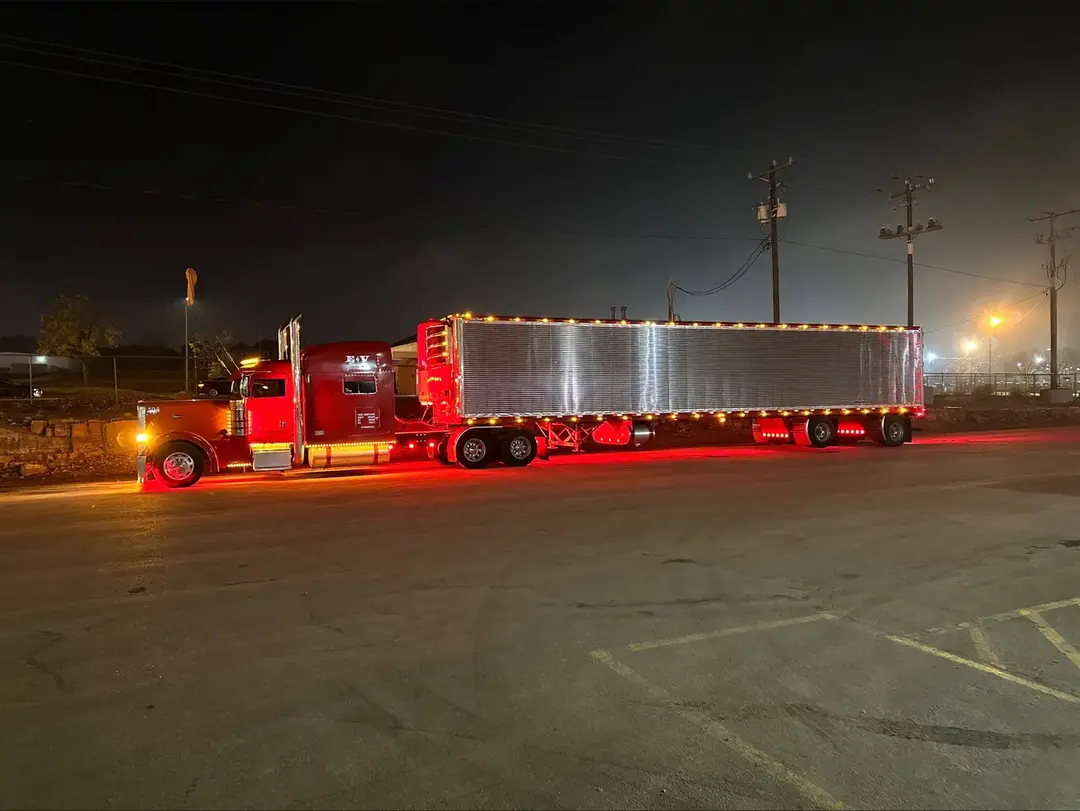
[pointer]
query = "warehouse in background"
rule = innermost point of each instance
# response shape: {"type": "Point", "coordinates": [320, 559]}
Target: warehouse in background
{"type": "Point", "coordinates": [404, 353]}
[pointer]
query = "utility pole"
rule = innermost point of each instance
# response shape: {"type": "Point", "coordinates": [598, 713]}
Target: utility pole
{"type": "Point", "coordinates": [910, 231]}
{"type": "Point", "coordinates": [771, 212]}
{"type": "Point", "coordinates": [1055, 275]}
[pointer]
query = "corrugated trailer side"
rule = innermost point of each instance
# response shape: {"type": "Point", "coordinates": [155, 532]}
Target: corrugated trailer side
{"type": "Point", "coordinates": [508, 389]}
{"type": "Point", "coordinates": [508, 368]}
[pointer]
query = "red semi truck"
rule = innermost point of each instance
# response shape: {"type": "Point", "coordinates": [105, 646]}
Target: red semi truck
{"type": "Point", "coordinates": [510, 389]}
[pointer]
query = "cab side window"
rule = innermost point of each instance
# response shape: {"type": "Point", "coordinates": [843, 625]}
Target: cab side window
{"type": "Point", "coordinates": [267, 388]}
{"type": "Point", "coordinates": [360, 385]}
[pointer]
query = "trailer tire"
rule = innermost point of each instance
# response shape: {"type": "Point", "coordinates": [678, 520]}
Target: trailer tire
{"type": "Point", "coordinates": [475, 449]}
{"type": "Point", "coordinates": [179, 464]}
{"type": "Point", "coordinates": [892, 432]}
{"type": "Point", "coordinates": [518, 449]}
{"type": "Point", "coordinates": [820, 431]}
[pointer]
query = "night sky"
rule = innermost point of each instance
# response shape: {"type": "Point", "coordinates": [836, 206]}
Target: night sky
{"type": "Point", "coordinates": [368, 229]}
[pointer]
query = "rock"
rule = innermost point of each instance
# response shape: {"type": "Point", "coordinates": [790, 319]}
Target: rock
{"type": "Point", "coordinates": [27, 469]}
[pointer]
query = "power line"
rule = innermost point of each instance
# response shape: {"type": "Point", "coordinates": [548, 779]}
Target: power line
{"type": "Point", "coordinates": [390, 218]}
{"type": "Point", "coordinates": [575, 232]}
{"type": "Point", "coordinates": [1040, 295]}
{"type": "Point", "coordinates": [917, 264]}
{"type": "Point", "coordinates": [759, 249]}
{"type": "Point", "coordinates": [735, 277]}
{"type": "Point", "coordinates": [356, 99]}
{"type": "Point", "coordinates": [325, 114]}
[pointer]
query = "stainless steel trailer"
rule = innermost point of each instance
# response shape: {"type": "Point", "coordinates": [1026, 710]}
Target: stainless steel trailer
{"type": "Point", "coordinates": [532, 368]}
{"type": "Point", "coordinates": [509, 389]}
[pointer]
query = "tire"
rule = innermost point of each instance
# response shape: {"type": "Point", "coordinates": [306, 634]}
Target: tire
{"type": "Point", "coordinates": [894, 431]}
{"type": "Point", "coordinates": [475, 450]}
{"type": "Point", "coordinates": [441, 455]}
{"type": "Point", "coordinates": [179, 464]}
{"type": "Point", "coordinates": [518, 449]}
{"type": "Point", "coordinates": [821, 432]}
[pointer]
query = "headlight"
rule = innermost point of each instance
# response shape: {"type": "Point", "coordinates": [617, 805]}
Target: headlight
{"type": "Point", "coordinates": [142, 439]}
{"type": "Point", "coordinates": [35, 393]}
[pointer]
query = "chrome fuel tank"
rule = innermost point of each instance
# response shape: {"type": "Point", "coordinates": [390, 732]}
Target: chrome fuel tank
{"type": "Point", "coordinates": [533, 368]}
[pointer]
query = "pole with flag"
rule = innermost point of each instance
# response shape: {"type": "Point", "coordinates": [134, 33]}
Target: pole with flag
{"type": "Point", "coordinates": [191, 277]}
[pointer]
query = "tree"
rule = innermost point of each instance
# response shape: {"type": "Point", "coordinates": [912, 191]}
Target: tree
{"type": "Point", "coordinates": [211, 351]}
{"type": "Point", "coordinates": [74, 330]}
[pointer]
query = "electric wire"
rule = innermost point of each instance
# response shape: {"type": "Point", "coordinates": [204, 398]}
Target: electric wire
{"type": "Point", "coordinates": [904, 261]}
{"type": "Point", "coordinates": [304, 91]}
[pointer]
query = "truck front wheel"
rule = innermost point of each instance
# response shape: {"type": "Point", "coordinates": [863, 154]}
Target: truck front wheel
{"type": "Point", "coordinates": [179, 464]}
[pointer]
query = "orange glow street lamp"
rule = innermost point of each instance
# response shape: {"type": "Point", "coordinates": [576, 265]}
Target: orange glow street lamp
{"type": "Point", "coordinates": [991, 322]}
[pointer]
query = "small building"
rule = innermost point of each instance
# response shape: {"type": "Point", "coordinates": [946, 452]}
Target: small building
{"type": "Point", "coordinates": [24, 365]}
{"type": "Point", "coordinates": [404, 353]}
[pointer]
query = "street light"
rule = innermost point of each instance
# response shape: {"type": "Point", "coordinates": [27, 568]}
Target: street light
{"type": "Point", "coordinates": [991, 322]}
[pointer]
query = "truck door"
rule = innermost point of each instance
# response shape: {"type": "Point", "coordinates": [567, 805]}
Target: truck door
{"type": "Point", "coordinates": [269, 409]}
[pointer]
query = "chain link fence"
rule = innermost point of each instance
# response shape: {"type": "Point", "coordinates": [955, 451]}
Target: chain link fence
{"type": "Point", "coordinates": [1000, 385]}
{"type": "Point", "coordinates": [116, 377]}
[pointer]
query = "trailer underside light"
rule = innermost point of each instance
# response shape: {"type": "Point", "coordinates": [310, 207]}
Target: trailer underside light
{"type": "Point", "coordinates": [270, 446]}
{"type": "Point", "coordinates": [851, 431]}
{"type": "Point", "coordinates": [785, 413]}
{"type": "Point", "coordinates": [519, 420]}
{"type": "Point", "coordinates": [649, 417]}
{"type": "Point", "coordinates": [431, 444]}
{"type": "Point", "coordinates": [492, 421]}
{"type": "Point", "coordinates": [412, 445]}
{"type": "Point", "coordinates": [697, 416]}
{"type": "Point", "coordinates": [776, 434]}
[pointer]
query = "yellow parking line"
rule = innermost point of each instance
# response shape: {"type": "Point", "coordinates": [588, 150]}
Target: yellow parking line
{"type": "Point", "coordinates": [982, 645]}
{"type": "Point", "coordinates": [714, 729]}
{"type": "Point", "coordinates": [743, 629]}
{"type": "Point", "coordinates": [1052, 636]}
{"type": "Point", "coordinates": [991, 670]}
{"type": "Point", "coordinates": [1007, 615]}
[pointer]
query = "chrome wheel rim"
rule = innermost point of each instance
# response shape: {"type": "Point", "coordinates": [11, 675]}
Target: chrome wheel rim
{"type": "Point", "coordinates": [895, 431]}
{"type": "Point", "coordinates": [473, 450]}
{"type": "Point", "coordinates": [520, 448]}
{"type": "Point", "coordinates": [178, 466]}
{"type": "Point", "coordinates": [822, 431]}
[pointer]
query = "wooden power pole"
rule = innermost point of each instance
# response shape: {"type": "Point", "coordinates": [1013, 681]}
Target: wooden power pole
{"type": "Point", "coordinates": [1055, 275]}
{"type": "Point", "coordinates": [910, 231]}
{"type": "Point", "coordinates": [769, 213]}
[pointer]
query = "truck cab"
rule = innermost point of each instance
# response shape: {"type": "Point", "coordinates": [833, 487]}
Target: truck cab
{"type": "Point", "coordinates": [330, 405]}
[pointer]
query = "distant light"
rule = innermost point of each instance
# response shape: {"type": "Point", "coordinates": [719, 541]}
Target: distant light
{"type": "Point", "coordinates": [1038, 359]}
{"type": "Point", "coordinates": [971, 346]}
{"type": "Point", "coordinates": [41, 359]}
{"type": "Point", "coordinates": [931, 357]}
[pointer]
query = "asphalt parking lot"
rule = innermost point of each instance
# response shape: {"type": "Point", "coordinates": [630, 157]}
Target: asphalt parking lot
{"type": "Point", "coordinates": [732, 628]}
